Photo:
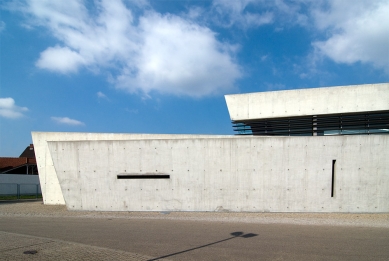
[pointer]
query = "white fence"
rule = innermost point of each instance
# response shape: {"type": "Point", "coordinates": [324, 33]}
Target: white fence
{"type": "Point", "coordinates": [15, 185]}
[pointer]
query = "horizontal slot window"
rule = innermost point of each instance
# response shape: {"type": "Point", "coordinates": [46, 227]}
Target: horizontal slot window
{"type": "Point", "coordinates": [142, 176]}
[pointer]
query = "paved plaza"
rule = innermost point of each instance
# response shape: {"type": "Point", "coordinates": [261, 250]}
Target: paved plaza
{"type": "Point", "coordinates": [30, 230]}
{"type": "Point", "coordinates": [22, 247]}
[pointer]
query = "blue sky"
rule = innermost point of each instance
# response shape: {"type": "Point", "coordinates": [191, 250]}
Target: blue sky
{"type": "Point", "coordinates": [164, 66]}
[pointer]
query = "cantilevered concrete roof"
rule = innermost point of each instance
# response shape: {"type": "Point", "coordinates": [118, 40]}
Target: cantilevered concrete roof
{"type": "Point", "coordinates": [314, 101]}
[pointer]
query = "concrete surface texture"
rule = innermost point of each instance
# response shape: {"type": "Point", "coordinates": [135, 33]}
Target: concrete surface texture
{"type": "Point", "coordinates": [314, 101]}
{"type": "Point", "coordinates": [253, 174]}
{"type": "Point", "coordinates": [58, 234]}
{"type": "Point", "coordinates": [51, 190]}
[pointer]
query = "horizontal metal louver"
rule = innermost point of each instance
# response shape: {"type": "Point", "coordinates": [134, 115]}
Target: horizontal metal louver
{"type": "Point", "coordinates": [317, 125]}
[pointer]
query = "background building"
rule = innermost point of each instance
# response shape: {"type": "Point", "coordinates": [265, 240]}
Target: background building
{"type": "Point", "coordinates": [25, 164]}
{"type": "Point", "coordinates": [19, 176]}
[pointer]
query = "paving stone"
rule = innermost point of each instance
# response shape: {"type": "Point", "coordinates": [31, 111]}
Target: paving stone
{"type": "Point", "coordinates": [23, 247]}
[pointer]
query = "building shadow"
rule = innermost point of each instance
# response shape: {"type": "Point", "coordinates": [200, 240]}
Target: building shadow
{"type": "Point", "coordinates": [233, 236]}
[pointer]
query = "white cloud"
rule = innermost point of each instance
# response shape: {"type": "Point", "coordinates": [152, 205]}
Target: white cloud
{"type": "Point", "coordinates": [180, 57]}
{"type": "Point", "coordinates": [101, 95]}
{"type": "Point", "coordinates": [2, 26]}
{"type": "Point", "coordinates": [350, 31]}
{"type": "Point", "coordinates": [8, 109]}
{"type": "Point", "coordinates": [358, 31]}
{"type": "Point", "coordinates": [290, 12]}
{"type": "Point", "coordinates": [60, 59]}
{"type": "Point", "coordinates": [254, 13]}
{"type": "Point", "coordinates": [163, 53]}
{"type": "Point", "coordinates": [67, 121]}
{"type": "Point", "coordinates": [236, 12]}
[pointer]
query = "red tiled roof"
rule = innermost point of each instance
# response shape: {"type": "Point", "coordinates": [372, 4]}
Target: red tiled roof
{"type": "Point", "coordinates": [12, 162]}
{"type": "Point", "coordinates": [26, 158]}
{"type": "Point", "coordinates": [9, 163]}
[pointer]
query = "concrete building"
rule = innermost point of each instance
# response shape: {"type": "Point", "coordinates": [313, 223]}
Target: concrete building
{"type": "Point", "coordinates": [308, 150]}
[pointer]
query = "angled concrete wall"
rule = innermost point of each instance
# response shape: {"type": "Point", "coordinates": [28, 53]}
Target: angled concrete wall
{"type": "Point", "coordinates": [51, 190]}
{"type": "Point", "coordinates": [276, 174]}
{"type": "Point", "coordinates": [315, 101]}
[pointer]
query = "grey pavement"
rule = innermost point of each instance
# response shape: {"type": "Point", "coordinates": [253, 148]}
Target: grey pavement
{"type": "Point", "coordinates": [58, 234]}
{"type": "Point", "coordinates": [22, 247]}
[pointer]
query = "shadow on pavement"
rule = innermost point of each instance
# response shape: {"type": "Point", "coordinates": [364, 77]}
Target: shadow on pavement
{"type": "Point", "coordinates": [233, 235]}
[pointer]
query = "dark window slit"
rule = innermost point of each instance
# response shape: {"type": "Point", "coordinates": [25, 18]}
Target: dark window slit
{"type": "Point", "coordinates": [333, 178]}
{"type": "Point", "coordinates": [143, 176]}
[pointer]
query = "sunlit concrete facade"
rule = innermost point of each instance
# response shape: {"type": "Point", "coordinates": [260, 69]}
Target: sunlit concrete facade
{"type": "Point", "coordinates": [51, 189]}
{"type": "Point", "coordinates": [147, 172]}
{"type": "Point", "coordinates": [315, 101]}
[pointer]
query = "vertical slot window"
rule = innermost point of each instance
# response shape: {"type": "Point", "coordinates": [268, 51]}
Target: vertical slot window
{"type": "Point", "coordinates": [333, 178]}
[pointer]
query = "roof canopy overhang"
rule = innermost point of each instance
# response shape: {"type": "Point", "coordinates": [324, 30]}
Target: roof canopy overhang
{"type": "Point", "coordinates": [306, 102]}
